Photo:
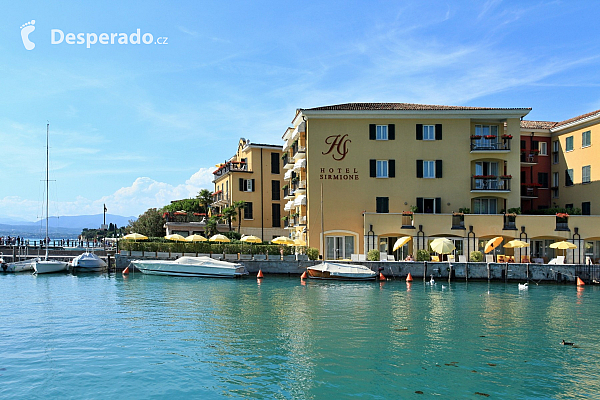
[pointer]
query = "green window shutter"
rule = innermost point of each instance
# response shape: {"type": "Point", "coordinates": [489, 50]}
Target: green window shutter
{"type": "Point", "coordinates": [372, 132]}
{"type": "Point", "coordinates": [419, 204]}
{"type": "Point", "coordinates": [438, 131]}
{"type": "Point", "coordinates": [419, 168]}
{"type": "Point", "coordinates": [391, 168]}
{"type": "Point", "coordinates": [391, 132]}
{"type": "Point", "coordinates": [438, 168]}
{"type": "Point", "coordinates": [372, 168]}
{"type": "Point", "coordinates": [419, 131]}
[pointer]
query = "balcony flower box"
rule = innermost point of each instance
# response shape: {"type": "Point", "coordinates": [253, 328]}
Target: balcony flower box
{"type": "Point", "coordinates": [490, 136]}
{"type": "Point", "coordinates": [534, 151]}
{"type": "Point", "coordinates": [458, 214]}
{"type": "Point", "coordinates": [407, 213]}
{"type": "Point", "coordinates": [506, 136]}
{"type": "Point", "coordinates": [475, 136]}
{"type": "Point", "coordinates": [562, 215]}
{"type": "Point", "coordinates": [531, 184]}
{"type": "Point", "coordinates": [506, 177]}
{"type": "Point", "coordinates": [484, 176]}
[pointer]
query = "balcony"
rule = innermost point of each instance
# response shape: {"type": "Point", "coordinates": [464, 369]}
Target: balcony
{"type": "Point", "coordinates": [301, 187]}
{"type": "Point", "coordinates": [489, 183]}
{"type": "Point", "coordinates": [490, 143]}
{"type": "Point", "coordinates": [529, 157]}
{"type": "Point", "coordinates": [299, 152]}
{"type": "Point", "coordinates": [510, 222]}
{"type": "Point", "coordinates": [458, 221]}
{"type": "Point", "coordinates": [231, 166]}
{"type": "Point", "coordinates": [220, 198]}
{"type": "Point", "coordinates": [529, 190]}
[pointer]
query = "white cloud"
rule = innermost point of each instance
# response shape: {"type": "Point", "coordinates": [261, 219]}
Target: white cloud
{"type": "Point", "coordinates": [144, 193]}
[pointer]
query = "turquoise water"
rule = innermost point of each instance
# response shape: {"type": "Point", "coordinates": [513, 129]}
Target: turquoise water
{"type": "Point", "coordinates": [106, 337]}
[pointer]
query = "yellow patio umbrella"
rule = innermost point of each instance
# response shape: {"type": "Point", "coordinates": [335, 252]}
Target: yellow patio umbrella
{"type": "Point", "coordinates": [442, 246]}
{"type": "Point", "coordinates": [175, 237]}
{"type": "Point", "coordinates": [219, 238]}
{"type": "Point", "coordinates": [401, 242]}
{"type": "Point", "coordinates": [195, 238]}
{"type": "Point", "coordinates": [251, 239]}
{"type": "Point", "coordinates": [492, 244]}
{"type": "Point", "coordinates": [516, 244]}
{"type": "Point", "coordinates": [563, 245]}
{"type": "Point", "coordinates": [135, 236]}
{"type": "Point", "coordinates": [299, 242]}
{"type": "Point", "coordinates": [283, 240]}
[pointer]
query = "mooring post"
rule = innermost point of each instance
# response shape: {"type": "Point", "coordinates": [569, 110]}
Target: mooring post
{"type": "Point", "coordinates": [527, 272]}
{"type": "Point", "coordinates": [425, 271]}
{"type": "Point", "coordinates": [449, 272]}
{"type": "Point", "coordinates": [466, 272]}
{"type": "Point", "coordinates": [488, 271]}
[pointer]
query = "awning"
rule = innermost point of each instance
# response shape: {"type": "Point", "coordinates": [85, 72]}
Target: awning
{"type": "Point", "coordinates": [288, 174]}
{"type": "Point", "coordinates": [295, 134]}
{"type": "Point", "coordinates": [289, 205]}
{"type": "Point", "coordinates": [299, 164]}
{"type": "Point", "coordinates": [300, 200]}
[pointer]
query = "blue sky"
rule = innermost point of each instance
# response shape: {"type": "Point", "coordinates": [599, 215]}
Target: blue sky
{"type": "Point", "coordinates": [136, 126]}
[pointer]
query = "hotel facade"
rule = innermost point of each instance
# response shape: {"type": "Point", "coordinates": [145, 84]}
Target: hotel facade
{"type": "Point", "coordinates": [359, 176]}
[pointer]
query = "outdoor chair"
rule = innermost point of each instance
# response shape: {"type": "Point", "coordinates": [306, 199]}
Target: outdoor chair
{"type": "Point", "coordinates": [525, 259]}
{"type": "Point", "coordinates": [462, 258]}
{"type": "Point", "coordinates": [489, 258]}
{"type": "Point", "coordinates": [390, 258]}
{"type": "Point", "coordinates": [383, 256]}
{"type": "Point", "coordinates": [450, 258]}
{"type": "Point", "coordinates": [353, 257]}
{"type": "Point", "coordinates": [501, 258]}
{"type": "Point", "coordinates": [362, 257]}
{"type": "Point", "coordinates": [435, 258]}
{"type": "Point", "coordinates": [558, 260]}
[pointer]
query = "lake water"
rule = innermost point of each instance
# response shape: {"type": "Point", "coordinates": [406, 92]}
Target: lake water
{"type": "Point", "coordinates": [106, 337]}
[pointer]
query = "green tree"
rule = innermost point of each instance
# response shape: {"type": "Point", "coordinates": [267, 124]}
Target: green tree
{"type": "Point", "coordinates": [231, 214]}
{"type": "Point", "coordinates": [206, 199]}
{"type": "Point", "coordinates": [211, 226]}
{"type": "Point", "coordinates": [187, 205]}
{"type": "Point", "coordinates": [239, 206]}
{"type": "Point", "coordinates": [151, 223]}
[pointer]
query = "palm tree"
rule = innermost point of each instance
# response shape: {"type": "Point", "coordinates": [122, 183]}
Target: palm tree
{"type": "Point", "coordinates": [239, 206]}
{"type": "Point", "coordinates": [211, 226]}
{"type": "Point", "coordinates": [230, 213]}
{"type": "Point", "coordinates": [206, 199]}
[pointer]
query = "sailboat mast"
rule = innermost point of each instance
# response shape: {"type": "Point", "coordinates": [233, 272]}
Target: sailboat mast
{"type": "Point", "coordinates": [47, 185]}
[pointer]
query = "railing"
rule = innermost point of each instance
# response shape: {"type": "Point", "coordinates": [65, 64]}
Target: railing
{"type": "Point", "coordinates": [407, 221]}
{"type": "Point", "coordinates": [562, 224]}
{"type": "Point", "coordinates": [298, 150]}
{"type": "Point", "coordinates": [231, 166]}
{"type": "Point", "coordinates": [458, 221]}
{"type": "Point", "coordinates": [302, 185]}
{"type": "Point", "coordinates": [286, 192]}
{"type": "Point", "coordinates": [284, 159]}
{"type": "Point", "coordinates": [510, 222]}
{"type": "Point", "coordinates": [527, 191]}
{"type": "Point", "coordinates": [303, 220]}
{"type": "Point", "coordinates": [482, 144]}
{"type": "Point", "coordinates": [494, 183]}
{"type": "Point", "coordinates": [529, 157]}
{"type": "Point", "coordinates": [219, 197]}
{"type": "Point", "coordinates": [184, 217]}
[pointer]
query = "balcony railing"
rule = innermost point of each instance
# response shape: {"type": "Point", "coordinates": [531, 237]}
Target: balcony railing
{"type": "Point", "coordinates": [299, 152]}
{"type": "Point", "coordinates": [231, 166]}
{"type": "Point", "coordinates": [220, 197]}
{"type": "Point", "coordinates": [458, 221]}
{"type": "Point", "coordinates": [493, 144]}
{"type": "Point", "coordinates": [490, 183]}
{"type": "Point", "coordinates": [529, 157]}
{"type": "Point", "coordinates": [510, 222]}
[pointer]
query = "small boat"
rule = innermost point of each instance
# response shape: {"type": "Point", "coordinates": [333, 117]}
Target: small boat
{"type": "Point", "coordinates": [88, 262]}
{"type": "Point", "coordinates": [336, 271]}
{"type": "Point", "coordinates": [20, 266]}
{"type": "Point", "coordinates": [191, 266]}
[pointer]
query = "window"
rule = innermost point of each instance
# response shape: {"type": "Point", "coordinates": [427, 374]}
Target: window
{"type": "Point", "coordinates": [382, 169]}
{"type": "Point", "coordinates": [555, 152]}
{"type": "Point", "coordinates": [543, 149]}
{"type": "Point", "coordinates": [339, 247]}
{"type": "Point", "coordinates": [382, 204]}
{"type": "Point", "coordinates": [246, 185]}
{"type": "Point", "coordinates": [381, 132]}
{"type": "Point", "coordinates": [429, 169]}
{"type": "Point", "coordinates": [429, 205]}
{"type": "Point", "coordinates": [275, 190]}
{"type": "Point", "coordinates": [275, 157]}
{"type": "Point", "coordinates": [543, 179]}
{"type": "Point", "coordinates": [485, 206]}
{"type": "Point", "coordinates": [586, 139]}
{"type": "Point", "coordinates": [555, 182]}
{"type": "Point", "coordinates": [486, 132]}
{"type": "Point", "coordinates": [276, 215]}
{"type": "Point", "coordinates": [586, 174]}
{"type": "Point", "coordinates": [586, 208]}
{"type": "Point", "coordinates": [569, 143]}
{"type": "Point", "coordinates": [248, 210]}
{"type": "Point", "coordinates": [569, 177]}
{"type": "Point", "coordinates": [428, 132]}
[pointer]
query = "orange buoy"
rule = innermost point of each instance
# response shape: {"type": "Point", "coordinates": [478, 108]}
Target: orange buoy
{"type": "Point", "coordinates": [303, 276]}
{"type": "Point", "coordinates": [580, 282]}
{"type": "Point", "coordinates": [409, 278]}
{"type": "Point", "coordinates": [126, 271]}
{"type": "Point", "coordinates": [381, 277]}
{"type": "Point", "coordinates": [260, 274]}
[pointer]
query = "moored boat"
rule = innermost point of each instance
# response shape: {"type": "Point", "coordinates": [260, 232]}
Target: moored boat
{"type": "Point", "coordinates": [191, 266]}
{"type": "Point", "coordinates": [337, 271]}
{"type": "Point", "coordinates": [88, 262]}
{"type": "Point", "coordinates": [49, 266]}
{"type": "Point", "coordinates": [20, 266]}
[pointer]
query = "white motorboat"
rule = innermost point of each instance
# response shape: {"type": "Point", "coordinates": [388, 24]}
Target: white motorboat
{"type": "Point", "coordinates": [352, 272]}
{"type": "Point", "coordinates": [21, 266]}
{"type": "Point", "coordinates": [191, 266]}
{"type": "Point", "coordinates": [88, 262]}
{"type": "Point", "coordinates": [46, 266]}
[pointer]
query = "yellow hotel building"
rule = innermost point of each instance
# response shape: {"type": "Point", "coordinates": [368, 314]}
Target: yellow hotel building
{"type": "Point", "coordinates": [358, 176]}
{"type": "Point", "coordinates": [255, 175]}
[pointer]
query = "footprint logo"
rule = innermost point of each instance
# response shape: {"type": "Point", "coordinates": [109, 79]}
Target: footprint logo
{"type": "Point", "coordinates": [26, 29]}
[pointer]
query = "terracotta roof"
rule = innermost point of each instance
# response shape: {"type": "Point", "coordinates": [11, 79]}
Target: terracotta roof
{"type": "Point", "coordinates": [537, 124]}
{"type": "Point", "coordinates": [398, 106]}
{"type": "Point", "coordinates": [567, 121]}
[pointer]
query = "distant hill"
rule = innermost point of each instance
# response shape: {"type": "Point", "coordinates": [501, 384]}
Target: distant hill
{"type": "Point", "coordinates": [60, 226]}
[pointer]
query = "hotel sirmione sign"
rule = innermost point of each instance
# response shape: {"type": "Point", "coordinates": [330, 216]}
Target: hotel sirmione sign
{"type": "Point", "coordinates": [338, 149]}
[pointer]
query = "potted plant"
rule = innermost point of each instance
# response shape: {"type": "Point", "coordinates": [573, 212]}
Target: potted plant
{"type": "Point", "coordinates": [506, 176]}
{"type": "Point", "coordinates": [490, 136]}
{"type": "Point", "coordinates": [475, 136]}
{"type": "Point", "coordinates": [506, 136]}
